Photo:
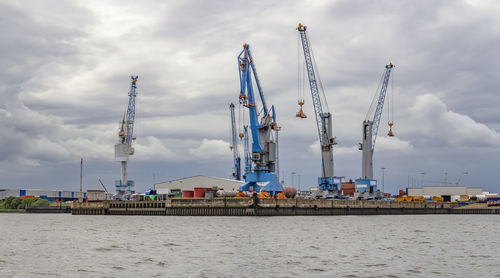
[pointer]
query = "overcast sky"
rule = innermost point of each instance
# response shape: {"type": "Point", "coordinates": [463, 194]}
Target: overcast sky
{"type": "Point", "coordinates": [66, 67]}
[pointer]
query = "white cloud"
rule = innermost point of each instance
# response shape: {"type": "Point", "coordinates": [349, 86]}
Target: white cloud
{"type": "Point", "coordinates": [431, 121]}
{"type": "Point", "coordinates": [393, 144]}
{"type": "Point", "coordinates": [337, 150]}
{"type": "Point", "coordinates": [211, 148]}
{"type": "Point", "coordinates": [154, 149]}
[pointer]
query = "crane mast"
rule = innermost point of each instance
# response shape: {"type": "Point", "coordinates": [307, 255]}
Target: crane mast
{"type": "Point", "coordinates": [248, 156]}
{"type": "Point", "coordinates": [234, 146]}
{"type": "Point", "coordinates": [327, 181]}
{"type": "Point", "coordinates": [262, 177]}
{"type": "Point", "coordinates": [370, 131]}
{"type": "Point", "coordinates": [124, 148]}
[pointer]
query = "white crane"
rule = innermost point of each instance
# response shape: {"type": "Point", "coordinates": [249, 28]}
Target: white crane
{"type": "Point", "coordinates": [124, 148]}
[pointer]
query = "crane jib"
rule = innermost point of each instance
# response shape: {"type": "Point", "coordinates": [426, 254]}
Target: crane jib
{"type": "Point", "coordinates": [318, 109]}
{"type": "Point", "coordinates": [131, 110]}
{"type": "Point", "coordinates": [380, 103]}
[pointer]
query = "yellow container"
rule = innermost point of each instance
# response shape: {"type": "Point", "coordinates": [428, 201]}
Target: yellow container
{"type": "Point", "coordinates": [408, 198]}
{"type": "Point", "coordinates": [438, 199]}
{"type": "Point", "coordinates": [418, 198]}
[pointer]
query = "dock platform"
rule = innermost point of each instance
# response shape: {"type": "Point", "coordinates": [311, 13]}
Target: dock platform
{"type": "Point", "coordinates": [269, 207]}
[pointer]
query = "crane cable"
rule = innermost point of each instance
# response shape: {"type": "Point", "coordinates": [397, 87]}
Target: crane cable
{"type": "Point", "coordinates": [375, 98]}
{"type": "Point", "coordinates": [300, 79]}
{"type": "Point", "coordinates": [324, 104]}
{"type": "Point", "coordinates": [390, 110]}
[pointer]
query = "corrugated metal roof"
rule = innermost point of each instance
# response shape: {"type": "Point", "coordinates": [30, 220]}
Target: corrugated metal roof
{"type": "Point", "coordinates": [199, 176]}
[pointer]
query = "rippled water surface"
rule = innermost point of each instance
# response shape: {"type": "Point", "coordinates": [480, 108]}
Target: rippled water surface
{"type": "Point", "coordinates": [328, 246]}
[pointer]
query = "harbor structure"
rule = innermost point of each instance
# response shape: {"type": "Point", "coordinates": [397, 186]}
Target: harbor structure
{"type": "Point", "coordinates": [124, 148]}
{"type": "Point", "coordinates": [56, 195]}
{"type": "Point", "coordinates": [327, 181]}
{"type": "Point", "coordinates": [189, 183]}
{"type": "Point", "coordinates": [444, 191]}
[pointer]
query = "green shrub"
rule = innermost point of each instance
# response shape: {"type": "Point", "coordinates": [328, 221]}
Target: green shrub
{"type": "Point", "coordinates": [40, 203]}
{"type": "Point", "coordinates": [19, 203]}
{"type": "Point", "coordinates": [12, 202]}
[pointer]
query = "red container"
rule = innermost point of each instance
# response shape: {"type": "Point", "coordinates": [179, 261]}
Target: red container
{"type": "Point", "coordinates": [348, 188]}
{"type": "Point", "coordinates": [187, 194]}
{"type": "Point", "coordinates": [199, 192]}
{"type": "Point", "coordinates": [27, 197]}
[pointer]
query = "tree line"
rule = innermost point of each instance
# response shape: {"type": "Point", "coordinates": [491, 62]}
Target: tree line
{"type": "Point", "coordinates": [19, 203]}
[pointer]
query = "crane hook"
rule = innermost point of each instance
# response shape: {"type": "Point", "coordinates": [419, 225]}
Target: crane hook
{"type": "Point", "coordinates": [390, 134]}
{"type": "Point", "coordinates": [301, 113]}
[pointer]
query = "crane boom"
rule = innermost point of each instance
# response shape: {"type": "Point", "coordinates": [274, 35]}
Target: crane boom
{"type": "Point", "coordinates": [131, 110]}
{"type": "Point", "coordinates": [234, 146]}
{"type": "Point", "coordinates": [322, 115]}
{"type": "Point", "coordinates": [262, 177]}
{"type": "Point", "coordinates": [313, 84]}
{"type": "Point", "coordinates": [380, 103]}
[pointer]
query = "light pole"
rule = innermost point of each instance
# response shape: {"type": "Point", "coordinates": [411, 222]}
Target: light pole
{"type": "Point", "coordinates": [383, 179]}
{"type": "Point", "coordinates": [293, 181]}
{"type": "Point", "coordinates": [422, 180]}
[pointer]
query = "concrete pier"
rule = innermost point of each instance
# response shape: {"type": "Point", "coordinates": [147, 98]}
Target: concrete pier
{"type": "Point", "coordinates": [268, 207]}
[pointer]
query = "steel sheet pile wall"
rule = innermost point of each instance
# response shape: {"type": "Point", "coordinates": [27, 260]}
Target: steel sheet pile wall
{"type": "Point", "coordinates": [268, 207]}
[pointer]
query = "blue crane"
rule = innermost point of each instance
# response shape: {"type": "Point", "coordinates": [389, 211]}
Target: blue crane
{"type": "Point", "coordinates": [262, 176]}
{"type": "Point", "coordinates": [370, 131]}
{"type": "Point", "coordinates": [327, 181]}
{"type": "Point", "coordinates": [248, 156]}
{"type": "Point", "coordinates": [234, 146]}
{"type": "Point", "coordinates": [124, 148]}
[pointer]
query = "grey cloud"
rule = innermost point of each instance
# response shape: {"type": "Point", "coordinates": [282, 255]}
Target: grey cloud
{"type": "Point", "coordinates": [67, 68]}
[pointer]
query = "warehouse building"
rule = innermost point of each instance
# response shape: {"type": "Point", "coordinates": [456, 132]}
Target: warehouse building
{"type": "Point", "coordinates": [55, 195]}
{"type": "Point", "coordinates": [444, 191]}
{"type": "Point", "coordinates": [189, 183]}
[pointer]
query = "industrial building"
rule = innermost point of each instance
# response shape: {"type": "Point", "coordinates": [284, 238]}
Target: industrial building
{"type": "Point", "coordinates": [55, 195]}
{"type": "Point", "coordinates": [190, 183]}
{"type": "Point", "coordinates": [444, 191]}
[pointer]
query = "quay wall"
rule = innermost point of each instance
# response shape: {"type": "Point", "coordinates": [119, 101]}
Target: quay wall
{"type": "Point", "coordinates": [267, 207]}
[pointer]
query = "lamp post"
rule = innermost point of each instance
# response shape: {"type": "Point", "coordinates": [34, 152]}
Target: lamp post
{"type": "Point", "coordinates": [422, 180]}
{"type": "Point", "coordinates": [383, 179]}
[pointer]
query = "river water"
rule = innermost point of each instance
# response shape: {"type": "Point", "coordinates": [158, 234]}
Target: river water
{"type": "Point", "coordinates": [52, 245]}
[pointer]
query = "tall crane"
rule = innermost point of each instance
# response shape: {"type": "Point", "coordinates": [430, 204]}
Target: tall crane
{"type": "Point", "coordinates": [370, 131]}
{"type": "Point", "coordinates": [262, 177]}
{"type": "Point", "coordinates": [124, 148]}
{"type": "Point", "coordinates": [234, 146]}
{"type": "Point", "coordinates": [327, 181]}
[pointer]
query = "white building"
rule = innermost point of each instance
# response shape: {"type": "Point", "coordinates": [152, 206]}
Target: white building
{"type": "Point", "coordinates": [197, 181]}
{"type": "Point", "coordinates": [444, 191]}
{"type": "Point", "coordinates": [51, 195]}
